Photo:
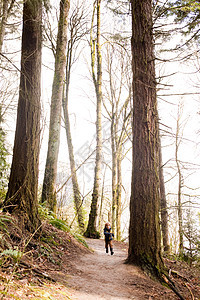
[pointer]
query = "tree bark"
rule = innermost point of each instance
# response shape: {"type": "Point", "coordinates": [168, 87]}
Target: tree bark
{"type": "Point", "coordinates": [76, 190]}
{"type": "Point", "coordinates": [114, 163]}
{"type": "Point", "coordinates": [180, 217]}
{"type": "Point", "coordinates": [49, 191]}
{"type": "Point", "coordinates": [144, 230]}
{"type": "Point", "coordinates": [91, 229]}
{"type": "Point", "coordinates": [23, 184]}
{"type": "Point", "coordinates": [119, 194]}
{"type": "Point", "coordinates": [75, 35]}
{"type": "Point", "coordinates": [163, 205]}
{"type": "Point", "coordinates": [101, 204]}
{"type": "Point", "coordinates": [4, 17]}
{"type": "Point", "coordinates": [5, 12]}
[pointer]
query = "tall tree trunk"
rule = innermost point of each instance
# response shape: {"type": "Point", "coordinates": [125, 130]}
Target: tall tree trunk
{"type": "Point", "coordinates": [119, 193]}
{"type": "Point", "coordinates": [144, 231]}
{"type": "Point", "coordinates": [114, 165]}
{"type": "Point", "coordinates": [76, 190]}
{"type": "Point", "coordinates": [118, 128]}
{"type": "Point", "coordinates": [180, 217]}
{"type": "Point", "coordinates": [4, 16]}
{"type": "Point", "coordinates": [101, 204]}
{"type": "Point", "coordinates": [76, 33]}
{"type": "Point", "coordinates": [48, 190]}
{"type": "Point", "coordinates": [163, 205]}
{"type": "Point", "coordinates": [23, 184]}
{"type": "Point", "coordinates": [91, 229]}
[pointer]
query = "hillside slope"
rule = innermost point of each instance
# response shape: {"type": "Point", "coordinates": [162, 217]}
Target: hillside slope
{"type": "Point", "coordinates": [52, 264]}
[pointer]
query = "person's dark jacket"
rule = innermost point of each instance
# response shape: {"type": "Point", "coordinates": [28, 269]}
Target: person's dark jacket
{"type": "Point", "coordinates": [108, 234]}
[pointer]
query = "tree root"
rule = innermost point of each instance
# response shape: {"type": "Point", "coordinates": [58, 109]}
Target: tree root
{"type": "Point", "coordinates": [179, 275]}
{"type": "Point", "coordinates": [190, 291]}
{"type": "Point", "coordinates": [172, 286]}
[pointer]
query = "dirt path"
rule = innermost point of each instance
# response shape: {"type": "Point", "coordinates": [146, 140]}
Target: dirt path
{"type": "Point", "coordinates": [101, 276]}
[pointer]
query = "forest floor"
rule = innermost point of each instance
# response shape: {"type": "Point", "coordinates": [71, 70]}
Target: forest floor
{"type": "Point", "coordinates": [56, 266]}
{"type": "Point", "coordinates": [101, 276]}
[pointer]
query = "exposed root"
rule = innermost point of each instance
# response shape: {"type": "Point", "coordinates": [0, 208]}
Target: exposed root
{"type": "Point", "coordinates": [187, 285]}
{"type": "Point", "coordinates": [172, 286]}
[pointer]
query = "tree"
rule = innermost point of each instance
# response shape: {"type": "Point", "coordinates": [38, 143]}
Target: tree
{"type": "Point", "coordinates": [76, 32]}
{"type": "Point", "coordinates": [8, 90]}
{"type": "Point", "coordinates": [97, 80]}
{"type": "Point", "coordinates": [144, 231]}
{"type": "Point", "coordinates": [180, 180]}
{"type": "Point", "coordinates": [186, 11]}
{"type": "Point", "coordinates": [118, 94]}
{"type": "Point", "coordinates": [3, 161]}
{"type": "Point", "coordinates": [48, 190]}
{"type": "Point", "coordinates": [186, 14]}
{"type": "Point", "coordinates": [119, 194]}
{"type": "Point", "coordinates": [6, 7]}
{"type": "Point", "coordinates": [10, 11]}
{"type": "Point", "coordinates": [163, 204]}
{"type": "Point", "coordinates": [21, 197]}
{"type": "Point", "coordinates": [191, 234]}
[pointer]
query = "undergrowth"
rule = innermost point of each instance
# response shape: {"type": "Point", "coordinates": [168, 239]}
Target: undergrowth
{"type": "Point", "coordinates": [19, 249]}
{"type": "Point", "coordinates": [60, 224]}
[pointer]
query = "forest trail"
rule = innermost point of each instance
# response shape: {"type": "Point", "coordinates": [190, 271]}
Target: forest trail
{"type": "Point", "coordinates": [61, 268]}
{"type": "Point", "coordinates": [100, 276]}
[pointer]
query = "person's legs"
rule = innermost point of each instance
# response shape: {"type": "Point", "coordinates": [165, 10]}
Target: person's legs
{"type": "Point", "coordinates": [111, 248]}
{"type": "Point", "coordinates": [106, 246]}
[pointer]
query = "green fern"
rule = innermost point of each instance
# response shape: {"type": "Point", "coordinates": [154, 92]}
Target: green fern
{"type": "Point", "coordinates": [15, 254]}
{"type": "Point", "coordinates": [60, 224]}
{"type": "Point", "coordinates": [3, 220]}
{"type": "Point", "coordinates": [44, 212]}
{"type": "Point", "coordinates": [80, 238]}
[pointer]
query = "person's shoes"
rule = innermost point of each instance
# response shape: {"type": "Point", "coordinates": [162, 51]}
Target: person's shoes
{"type": "Point", "coordinates": [106, 250]}
{"type": "Point", "coordinates": [111, 251]}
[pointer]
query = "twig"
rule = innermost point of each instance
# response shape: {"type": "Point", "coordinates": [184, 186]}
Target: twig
{"type": "Point", "coordinates": [83, 197]}
{"type": "Point", "coordinates": [76, 170]}
{"type": "Point", "coordinates": [178, 275]}
{"type": "Point", "coordinates": [44, 275]}
{"type": "Point", "coordinates": [187, 285]}
{"type": "Point", "coordinates": [171, 284]}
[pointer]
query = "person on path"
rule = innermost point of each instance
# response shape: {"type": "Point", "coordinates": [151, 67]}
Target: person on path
{"type": "Point", "coordinates": [108, 238]}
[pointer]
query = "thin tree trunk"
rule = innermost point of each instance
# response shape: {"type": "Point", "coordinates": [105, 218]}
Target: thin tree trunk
{"type": "Point", "coordinates": [118, 130]}
{"type": "Point", "coordinates": [119, 194]}
{"type": "Point", "coordinates": [23, 184]}
{"type": "Point", "coordinates": [91, 229]}
{"type": "Point", "coordinates": [76, 190]}
{"type": "Point", "coordinates": [3, 22]}
{"type": "Point", "coordinates": [48, 191]}
{"type": "Point", "coordinates": [114, 167]}
{"type": "Point", "coordinates": [163, 205]}
{"type": "Point", "coordinates": [144, 230]}
{"type": "Point", "coordinates": [5, 12]}
{"type": "Point", "coordinates": [76, 33]}
{"type": "Point", "coordinates": [101, 204]}
{"type": "Point", "coordinates": [180, 217]}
